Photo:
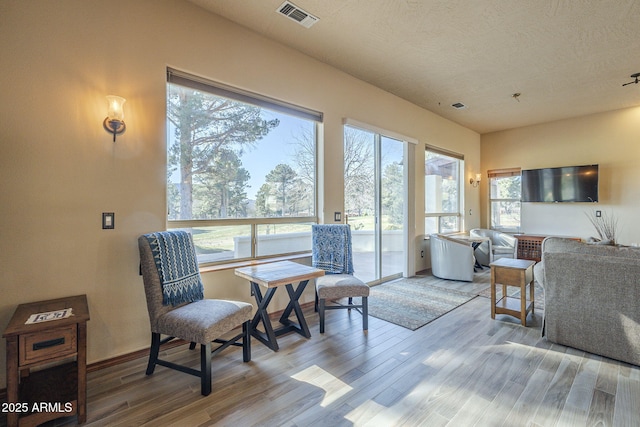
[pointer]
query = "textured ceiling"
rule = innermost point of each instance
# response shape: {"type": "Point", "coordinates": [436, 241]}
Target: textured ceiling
{"type": "Point", "coordinates": [566, 58]}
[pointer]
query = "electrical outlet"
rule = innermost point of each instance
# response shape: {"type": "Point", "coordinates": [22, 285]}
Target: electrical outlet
{"type": "Point", "coordinates": [421, 254]}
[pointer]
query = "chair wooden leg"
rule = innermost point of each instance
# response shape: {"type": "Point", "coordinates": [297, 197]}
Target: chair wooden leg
{"type": "Point", "coordinates": [205, 369]}
{"type": "Point", "coordinates": [315, 307]}
{"type": "Point", "coordinates": [192, 345]}
{"type": "Point", "coordinates": [350, 304]}
{"type": "Point", "coordinates": [246, 342]}
{"type": "Point", "coordinates": [365, 313]}
{"type": "Point", "coordinates": [321, 310]}
{"type": "Point", "coordinates": [153, 353]}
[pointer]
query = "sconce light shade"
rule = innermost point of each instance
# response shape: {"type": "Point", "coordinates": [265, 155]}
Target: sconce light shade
{"type": "Point", "coordinates": [476, 182]}
{"type": "Point", "coordinates": [114, 122]}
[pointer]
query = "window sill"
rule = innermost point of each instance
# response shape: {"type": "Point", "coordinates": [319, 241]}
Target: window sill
{"type": "Point", "coordinates": [238, 264]}
{"type": "Point", "coordinates": [450, 234]}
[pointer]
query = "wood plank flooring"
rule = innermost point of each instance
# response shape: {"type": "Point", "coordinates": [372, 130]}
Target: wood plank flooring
{"type": "Point", "coordinates": [463, 369]}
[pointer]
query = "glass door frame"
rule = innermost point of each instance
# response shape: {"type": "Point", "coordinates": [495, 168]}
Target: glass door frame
{"type": "Point", "coordinates": [407, 158]}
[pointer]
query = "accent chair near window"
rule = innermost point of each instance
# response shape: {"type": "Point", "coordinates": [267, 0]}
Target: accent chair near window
{"type": "Point", "coordinates": [451, 258]}
{"type": "Point", "coordinates": [177, 307]}
{"type": "Point", "coordinates": [331, 251]}
{"type": "Point", "coordinates": [499, 245]}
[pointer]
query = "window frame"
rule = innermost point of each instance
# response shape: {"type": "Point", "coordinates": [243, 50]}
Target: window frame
{"type": "Point", "coordinates": [218, 89]}
{"type": "Point", "coordinates": [504, 173]}
{"type": "Point", "coordinates": [460, 190]}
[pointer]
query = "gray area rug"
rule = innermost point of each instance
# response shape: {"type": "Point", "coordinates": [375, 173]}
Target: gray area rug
{"type": "Point", "coordinates": [413, 302]}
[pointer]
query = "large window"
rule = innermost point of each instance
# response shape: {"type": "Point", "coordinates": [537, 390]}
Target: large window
{"type": "Point", "coordinates": [443, 193]}
{"type": "Point", "coordinates": [241, 170]}
{"type": "Point", "coordinates": [504, 197]}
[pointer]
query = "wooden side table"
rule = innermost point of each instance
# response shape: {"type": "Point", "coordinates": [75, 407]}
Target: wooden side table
{"type": "Point", "coordinates": [272, 276]}
{"type": "Point", "coordinates": [512, 272]}
{"type": "Point", "coordinates": [47, 363]}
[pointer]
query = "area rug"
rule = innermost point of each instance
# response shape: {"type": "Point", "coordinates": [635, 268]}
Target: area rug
{"type": "Point", "coordinates": [413, 302]}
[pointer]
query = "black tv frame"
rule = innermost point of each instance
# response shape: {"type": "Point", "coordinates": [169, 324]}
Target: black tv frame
{"type": "Point", "coordinates": [551, 185]}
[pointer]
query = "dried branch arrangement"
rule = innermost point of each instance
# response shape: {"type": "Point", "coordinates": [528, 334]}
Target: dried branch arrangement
{"type": "Point", "coordinates": [606, 225]}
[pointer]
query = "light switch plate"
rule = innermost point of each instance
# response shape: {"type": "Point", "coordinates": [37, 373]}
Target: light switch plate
{"type": "Point", "coordinates": [337, 216]}
{"type": "Point", "coordinates": [108, 220]}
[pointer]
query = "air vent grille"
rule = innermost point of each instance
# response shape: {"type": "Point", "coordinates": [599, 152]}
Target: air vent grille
{"type": "Point", "coordinates": [293, 12]}
{"type": "Point", "coordinates": [459, 106]}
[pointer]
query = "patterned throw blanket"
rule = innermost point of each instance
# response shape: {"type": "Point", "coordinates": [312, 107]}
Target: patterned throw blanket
{"type": "Point", "coordinates": [331, 248]}
{"type": "Point", "coordinates": [177, 265]}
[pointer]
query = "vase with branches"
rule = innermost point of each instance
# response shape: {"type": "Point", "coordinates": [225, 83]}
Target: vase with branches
{"type": "Point", "coordinates": [606, 225]}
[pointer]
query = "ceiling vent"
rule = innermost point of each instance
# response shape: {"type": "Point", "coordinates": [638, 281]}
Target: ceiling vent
{"type": "Point", "coordinates": [292, 11]}
{"type": "Point", "coordinates": [459, 106]}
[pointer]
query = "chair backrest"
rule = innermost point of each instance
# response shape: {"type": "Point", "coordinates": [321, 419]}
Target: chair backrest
{"type": "Point", "coordinates": [451, 258]}
{"type": "Point", "coordinates": [331, 248]}
{"type": "Point", "coordinates": [157, 303]}
{"type": "Point", "coordinates": [504, 239]}
{"type": "Point", "coordinates": [497, 237]}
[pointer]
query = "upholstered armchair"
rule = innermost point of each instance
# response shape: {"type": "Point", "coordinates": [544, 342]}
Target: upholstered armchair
{"type": "Point", "coordinates": [451, 258]}
{"type": "Point", "coordinates": [499, 245]}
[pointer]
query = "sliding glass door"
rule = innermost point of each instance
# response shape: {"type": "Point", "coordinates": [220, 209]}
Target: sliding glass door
{"type": "Point", "coordinates": [375, 203]}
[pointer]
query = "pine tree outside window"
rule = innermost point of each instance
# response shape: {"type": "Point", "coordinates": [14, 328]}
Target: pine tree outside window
{"type": "Point", "coordinates": [241, 170]}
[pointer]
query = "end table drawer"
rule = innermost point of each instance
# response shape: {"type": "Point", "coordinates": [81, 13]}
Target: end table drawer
{"type": "Point", "coordinates": [49, 344]}
{"type": "Point", "coordinates": [513, 277]}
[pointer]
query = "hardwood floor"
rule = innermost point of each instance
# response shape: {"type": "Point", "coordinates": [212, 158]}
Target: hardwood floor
{"type": "Point", "coordinates": [463, 369]}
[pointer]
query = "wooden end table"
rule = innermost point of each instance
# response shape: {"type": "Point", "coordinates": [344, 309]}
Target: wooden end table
{"type": "Point", "coordinates": [47, 363]}
{"type": "Point", "coordinates": [512, 272]}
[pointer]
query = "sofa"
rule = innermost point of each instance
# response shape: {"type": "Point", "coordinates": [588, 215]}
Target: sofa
{"type": "Point", "coordinates": [451, 258]}
{"type": "Point", "coordinates": [591, 297]}
{"type": "Point", "coordinates": [499, 245]}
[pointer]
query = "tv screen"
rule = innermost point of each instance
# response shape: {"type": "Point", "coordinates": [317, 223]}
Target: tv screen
{"type": "Point", "coordinates": [564, 184]}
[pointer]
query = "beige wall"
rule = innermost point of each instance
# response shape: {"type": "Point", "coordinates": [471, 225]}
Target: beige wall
{"type": "Point", "coordinates": [59, 170]}
{"type": "Point", "coordinates": [610, 139]}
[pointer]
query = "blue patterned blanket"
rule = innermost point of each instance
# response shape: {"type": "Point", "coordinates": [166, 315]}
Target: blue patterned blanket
{"type": "Point", "coordinates": [331, 248]}
{"type": "Point", "coordinates": [177, 265]}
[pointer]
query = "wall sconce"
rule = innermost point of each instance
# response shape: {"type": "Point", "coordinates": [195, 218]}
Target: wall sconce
{"type": "Point", "coordinates": [114, 122]}
{"type": "Point", "coordinates": [476, 182]}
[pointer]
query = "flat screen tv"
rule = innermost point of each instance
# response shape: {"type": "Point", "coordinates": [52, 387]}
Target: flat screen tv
{"type": "Point", "coordinates": [564, 184]}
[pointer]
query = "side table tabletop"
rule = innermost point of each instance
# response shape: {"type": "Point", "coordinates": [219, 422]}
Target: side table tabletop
{"type": "Point", "coordinates": [512, 272]}
{"type": "Point", "coordinates": [57, 348]}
